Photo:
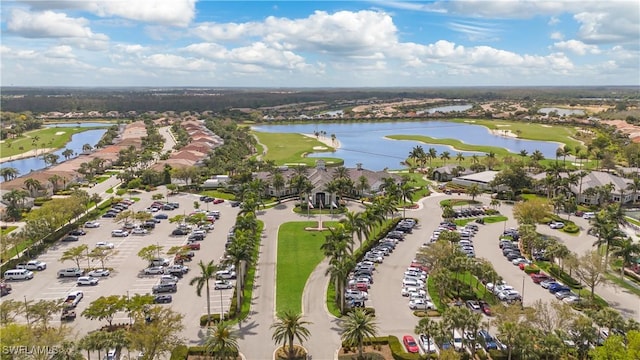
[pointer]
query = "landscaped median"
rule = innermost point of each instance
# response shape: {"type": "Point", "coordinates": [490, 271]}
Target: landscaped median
{"type": "Point", "coordinates": [298, 254]}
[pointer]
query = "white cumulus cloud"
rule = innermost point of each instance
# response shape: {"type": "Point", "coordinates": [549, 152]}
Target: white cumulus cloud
{"type": "Point", "coordinates": [576, 47]}
{"type": "Point", "coordinates": [49, 24]}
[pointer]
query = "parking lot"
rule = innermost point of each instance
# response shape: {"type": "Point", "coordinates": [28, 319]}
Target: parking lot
{"type": "Point", "coordinates": [127, 277]}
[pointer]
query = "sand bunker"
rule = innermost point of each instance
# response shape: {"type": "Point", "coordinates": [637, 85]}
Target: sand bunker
{"type": "Point", "coordinates": [502, 125]}
{"type": "Point", "coordinates": [320, 148]}
{"type": "Point", "coordinates": [547, 126]}
{"type": "Point", "coordinates": [60, 133]}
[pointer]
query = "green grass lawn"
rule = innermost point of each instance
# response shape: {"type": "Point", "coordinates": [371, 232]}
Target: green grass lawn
{"type": "Point", "coordinates": [455, 143]}
{"type": "Point", "coordinates": [487, 220]}
{"type": "Point", "coordinates": [51, 138]}
{"type": "Point", "coordinates": [298, 254]}
{"type": "Point", "coordinates": [7, 230]}
{"type": "Point", "coordinates": [286, 148]}
{"type": "Point", "coordinates": [459, 202]}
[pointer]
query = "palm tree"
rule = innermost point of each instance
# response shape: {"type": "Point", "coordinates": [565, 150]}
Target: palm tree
{"type": "Point", "coordinates": [363, 185]}
{"type": "Point", "coordinates": [278, 183]}
{"type": "Point", "coordinates": [54, 179]}
{"type": "Point", "coordinates": [339, 269]}
{"type": "Point", "coordinates": [460, 157]}
{"type": "Point", "coordinates": [444, 157]}
{"type": "Point", "coordinates": [356, 223]}
{"type": "Point", "coordinates": [628, 251]}
{"type": "Point", "coordinates": [222, 341]}
{"type": "Point", "coordinates": [288, 327]}
{"type": "Point", "coordinates": [428, 327]}
{"type": "Point", "coordinates": [634, 187]}
{"type": "Point", "coordinates": [432, 154]}
{"type": "Point", "coordinates": [416, 154]}
{"type": "Point", "coordinates": [357, 327]}
{"type": "Point", "coordinates": [87, 147]}
{"type": "Point", "coordinates": [473, 191]}
{"type": "Point", "coordinates": [239, 253]}
{"type": "Point", "coordinates": [9, 173]}
{"type": "Point", "coordinates": [32, 185]}
{"type": "Point", "coordinates": [207, 272]}
{"type": "Point", "coordinates": [67, 153]}
{"type": "Point", "coordinates": [406, 192]}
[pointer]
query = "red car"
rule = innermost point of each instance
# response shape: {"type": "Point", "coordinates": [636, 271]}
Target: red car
{"type": "Point", "coordinates": [540, 277]}
{"type": "Point", "coordinates": [419, 266]}
{"type": "Point", "coordinates": [486, 309]}
{"type": "Point", "coordinates": [411, 344]}
{"type": "Point", "coordinates": [218, 201]}
{"type": "Point", "coordinates": [193, 246]}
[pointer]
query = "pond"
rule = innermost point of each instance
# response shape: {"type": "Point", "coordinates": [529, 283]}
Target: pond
{"type": "Point", "coordinates": [24, 166]}
{"type": "Point", "coordinates": [562, 112]}
{"type": "Point", "coordinates": [82, 124]}
{"type": "Point", "coordinates": [365, 142]}
{"type": "Point", "coordinates": [445, 109]}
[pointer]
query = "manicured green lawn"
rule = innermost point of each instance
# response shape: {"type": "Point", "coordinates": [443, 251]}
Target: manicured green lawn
{"type": "Point", "coordinates": [51, 138]}
{"type": "Point", "coordinates": [298, 254]}
{"type": "Point", "coordinates": [455, 143]}
{"type": "Point", "coordinates": [487, 220]}
{"type": "Point", "coordinates": [7, 230]}
{"type": "Point", "coordinates": [459, 202]}
{"type": "Point", "coordinates": [286, 148]}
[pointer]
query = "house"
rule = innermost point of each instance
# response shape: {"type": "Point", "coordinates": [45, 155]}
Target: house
{"type": "Point", "coordinates": [320, 176]}
{"type": "Point", "coordinates": [448, 172]}
{"type": "Point", "coordinates": [482, 179]}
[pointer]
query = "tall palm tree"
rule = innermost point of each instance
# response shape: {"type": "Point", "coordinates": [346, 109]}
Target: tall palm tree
{"type": "Point", "coordinates": [428, 327]}
{"type": "Point", "coordinates": [356, 223]}
{"type": "Point", "coordinates": [278, 183]}
{"type": "Point", "coordinates": [240, 254]}
{"type": "Point", "coordinates": [362, 185]}
{"type": "Point", "coordinates": [634, 186]}
{"type": "Point", "coordinates": [9, 173]}
{"type": "Point", "coordinates": [338, 271]}
{"type": "Point", "coordinates": [473, 191]}
{"type": "Point", "coordinates": [222, 341]}
{"type": "Point", "coordinates": [67, 153]}
{"type": "Point", "coordinates": [288, 327]}
{"type": "Point", "coordinates": [459, 157]}
{"type": "Point", "coordinates": [357, 327]}
{"type": "Point", "coordinates": [32, 185]}
{"type": "Point", "coordinates": [444, 157]}
{"type": "Point", "coordinates": [416, 154]}
{"type": "Point", "coordinates": [406, 192]}
{"type": "Point", "coordinates": [207, 272]}
{"type": "Point", "coordinates": [54, 179]}
{"type": "Point", "coordinates": [628, 251]}
{"type": "Point", "coordinates": [432, 154]}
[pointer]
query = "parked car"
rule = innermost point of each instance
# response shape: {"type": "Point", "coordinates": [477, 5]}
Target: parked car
{"type": "Point", "coordinates": [87, 281]}
{"type": "Point", "coordinates": [159, 262]}
{"type": "Point", "coordinates": [99, 273]}
{"type": "Point", "coordinates": [485, 307]}
{"type": "Point", "coordinates": [69, 238]}
{"type": "Point", "coordinates": [161, 216]}
{"type": "Point", "coordinates": [162, 299]}
{"type": "Point", "coordinates": [556, 225]}
{"type": "Point", "coordinates": [176, 269]}
{"type": "Point", "coordinates": [589, 215]}
{"type": "Point", "coordinates": [139, 231]}
{"type": "Point", "coordinates": [92, 224]}
{"type": "Point", "coordinates": [487, 341]}
{"type": "Point", "coordinates": [70, 272]}
{"type": "Point", "coordinates": [163, 288]}
{"type": "Point", "coordinates": [225, 274]}
{"type": "Point", "coordinates": [473, 305]}
{"type": "Point", "coordinates": [77, 232]}
{"type": "Point", "coordinates": [180, 232]}
{"type": "Point", "coordinates": [154, 270]}
{"type": "Point", "coordinates": [428, 344]}
{"type": "Point", "coordinates": [351, 294]}
{"type": "Point", "coordinates": [421, 304]}
{"type": "Point", "coordinates": [193, 246]}
{"type": "Point", "coordinates": [104, 245]}
{"type": "Point", "coordinates": [410, 344]}
{"type": "Point", "coordinates": [109, 214]}
{"type": "Point", "coordinates": [33, 265]}
{"type": "Point", "coordinates": [222, 284]}
{"type": "Point", "coordinates": [73, 299]}
{"type": "Point", "coordinates": [119, 233]}
{"type": "Point", "coordinates": [540, 277]}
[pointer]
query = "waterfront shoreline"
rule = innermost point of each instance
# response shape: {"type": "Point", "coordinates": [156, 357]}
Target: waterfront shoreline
{"type": "Point", "coordinates": [27, 154]}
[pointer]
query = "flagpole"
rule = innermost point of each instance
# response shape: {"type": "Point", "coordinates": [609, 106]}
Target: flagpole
{"type": "Point", "coordinates": [320, 221]}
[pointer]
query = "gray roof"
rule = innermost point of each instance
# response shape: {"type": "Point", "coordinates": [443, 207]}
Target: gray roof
{"type": "Point", "coordinates": [481, 177]}
{"type": "Point", "coordinates": [601, 178]}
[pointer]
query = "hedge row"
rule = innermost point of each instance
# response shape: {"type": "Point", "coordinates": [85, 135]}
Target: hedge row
{"type": "Point", "coordinates": [555, 271]}
{"type": "Point", "coordinates": [181, 352]}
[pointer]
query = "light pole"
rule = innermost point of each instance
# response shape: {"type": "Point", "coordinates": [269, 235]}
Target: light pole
{"type": "Point", "coordinates": [129, 304]}
{"type": "Point", "coordinates": [221, 307]}
{"type": "Point", "coordinates": [26, 310]}
{"type": "Point", "coordinates": [522, 297]}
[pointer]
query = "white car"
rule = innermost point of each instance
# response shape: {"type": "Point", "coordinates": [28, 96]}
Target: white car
{"type": "Point", "coordinates": [222, 284]}
{"type": "Point", "coordinates": [519, 261]}
{"type": "Point", "coordinates": [408, 290]}
{"type": "Point", "coordinates": [154, 270]}
{"type": "Point", "coordinates": [419, 295]}
{"type": "Point", "coordinates": [556, 225]}
{"type": "Point", "coordinates": [104, 245]}
{"type": "Point", "coordinates": [588, 215]}
{"type": "Point", "coordinates": [428, 344]}
{"type": "Point", "coordinates": [139, 231]}
{"type": "Point", "coordinates": [99, 273]}
{"type": "Point", "coordinates": [92, 224]}
{"type": "Point", "coordinates": [119, 233]}
{"type": "Point", "coordinates": [226, 274]}
{"type": "Point", "coordinates": [352, 294]}
{"type": "Point", "coordinates": [87, 281]}
{"type": "Point", "coordinates": [421, 304]}
{"type": "Point", "coordinates": [509, 295]}
{"type": "Point", "coordinates": [572, 299]}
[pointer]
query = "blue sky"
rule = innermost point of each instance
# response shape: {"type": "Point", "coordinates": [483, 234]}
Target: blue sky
{"type": "Point", "coordinates": [319, 43]}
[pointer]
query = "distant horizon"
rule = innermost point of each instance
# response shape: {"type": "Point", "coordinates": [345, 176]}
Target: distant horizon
{"type": "Point", "coordinates": [594, 87]}
{"type": "Point", "coordinates": [364, 44]}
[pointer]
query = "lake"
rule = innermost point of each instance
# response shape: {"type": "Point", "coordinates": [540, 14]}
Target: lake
{"type": "Point", "coordinates": [25, 166]}
{"type": "Point", "coordinates": [562, 112]}
{"type": "Point", "coordinates": [364, 142]}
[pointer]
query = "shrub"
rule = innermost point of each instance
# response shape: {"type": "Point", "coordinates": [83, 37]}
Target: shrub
{"type": "Point", "coordinates": [121, 192]}
{"type": "Point", "coordinates": [497, 355]}
{"type": "Point", "coordinates": [531, 269]}
{"type": "Point", "coordinates": [555, 271]}
{"type": "Point", "coordinates": [420, 313]}
{"type": "Point", "coordinates": [180, 352]}
{"type": "Point", "coordinates": [214, 319]}
{"type": "Point", "coordinates": [571, 229]}
{"type": "Point", "coordinates": [368, 310]}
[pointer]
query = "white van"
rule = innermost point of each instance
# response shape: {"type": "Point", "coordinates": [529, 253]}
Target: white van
{"type": "Point", "coordinates": [457, 340]}
{"type": "Point", "coordinates": [18, 274]}
{"type": "Point", "coordinates": [411, 283]}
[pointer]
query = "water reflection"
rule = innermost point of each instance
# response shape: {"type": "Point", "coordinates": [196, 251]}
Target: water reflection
{"type": "Point", "coordinates": [365, 142]}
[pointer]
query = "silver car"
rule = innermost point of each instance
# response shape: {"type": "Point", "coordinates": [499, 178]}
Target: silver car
{"type": "Point", "coordinates": [154, 270]}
